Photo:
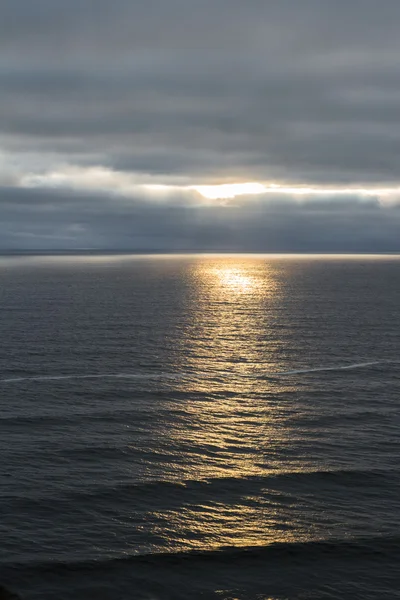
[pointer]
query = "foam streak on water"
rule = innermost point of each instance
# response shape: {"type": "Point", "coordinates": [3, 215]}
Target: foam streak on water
{"type": "Point", "coordinates": [361, 365]}
{"type": "Point", "coordinates": [92, 376]}
{"type": "Point", "coordinates": [176, 376]}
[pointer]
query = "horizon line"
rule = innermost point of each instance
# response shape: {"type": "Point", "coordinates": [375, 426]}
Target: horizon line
{"type": "Point", "coordinates": [159, 252]}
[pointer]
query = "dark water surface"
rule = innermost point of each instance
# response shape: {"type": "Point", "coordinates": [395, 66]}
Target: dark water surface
{"type": "Point", "coordinates": [200, 427]}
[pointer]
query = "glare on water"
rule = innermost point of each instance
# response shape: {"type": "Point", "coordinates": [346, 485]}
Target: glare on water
{"type": "Point", "coordinates": [228, 427]}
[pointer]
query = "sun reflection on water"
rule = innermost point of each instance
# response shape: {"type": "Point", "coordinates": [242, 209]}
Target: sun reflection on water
{"type": "Point", "coordinates": [235, 279]}
{"type": "Point", "coordinates": [232, 303]}
{"type": "Point", "coordinates": [228, 428]}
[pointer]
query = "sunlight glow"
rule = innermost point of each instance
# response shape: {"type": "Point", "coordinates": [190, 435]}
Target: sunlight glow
{"type": "Point", "coordinates": [134, 185]}
{"type": "Point", "coordinates": [235, 280]}
{"type": "Point", "coordinates": [230, 190]}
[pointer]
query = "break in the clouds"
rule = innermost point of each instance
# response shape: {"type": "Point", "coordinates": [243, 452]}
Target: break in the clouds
{"type": "Point", "coordinates": [117, 117]}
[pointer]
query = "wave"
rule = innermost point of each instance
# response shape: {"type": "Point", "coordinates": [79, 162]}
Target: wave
{"type": "Point", "coordinates": [348, 477]}
{"type": "Point", "coordinates": [382, 546]}
{"type": "Point", "coordinates": [266, 483]}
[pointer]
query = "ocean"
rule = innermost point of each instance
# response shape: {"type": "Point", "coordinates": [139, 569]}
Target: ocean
{"type": "Point", "coordinates": [200, 427]}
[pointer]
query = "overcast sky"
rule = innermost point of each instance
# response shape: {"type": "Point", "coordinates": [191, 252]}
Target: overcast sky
{"type": "Point", "coordinates": [114, 114]}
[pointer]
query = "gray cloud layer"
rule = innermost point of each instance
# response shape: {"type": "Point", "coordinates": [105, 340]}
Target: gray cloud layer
{"type": "Point", "coordinates": [37, 219]}
{"type": "Point", "coordinates": [195, 92]}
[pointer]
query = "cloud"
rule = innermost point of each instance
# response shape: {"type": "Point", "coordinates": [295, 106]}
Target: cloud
{"type": "Point", "coordinates": [38, 219]}
{"type": "Point", "coordinates": [106, 99]}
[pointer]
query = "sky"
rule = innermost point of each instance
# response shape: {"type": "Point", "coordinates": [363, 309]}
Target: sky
{"type": "Point", "coordinates": [118, 119]}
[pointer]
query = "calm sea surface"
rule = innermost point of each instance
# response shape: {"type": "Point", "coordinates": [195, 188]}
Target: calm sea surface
{"type": "Point", "coordinates": [194, 427]}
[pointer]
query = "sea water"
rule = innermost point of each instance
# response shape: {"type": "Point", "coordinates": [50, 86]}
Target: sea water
{"type": "Point", "coordinates": [193, 427]}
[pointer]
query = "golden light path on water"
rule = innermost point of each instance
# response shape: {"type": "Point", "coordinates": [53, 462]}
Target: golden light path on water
{"type": "Point", "coordinates": [236, 280]}
{"type": "Point", "coordinates": [229, 429]}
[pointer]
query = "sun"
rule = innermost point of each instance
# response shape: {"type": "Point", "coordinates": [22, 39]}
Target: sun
{"type": "Point", "coordinates": [229, 190]}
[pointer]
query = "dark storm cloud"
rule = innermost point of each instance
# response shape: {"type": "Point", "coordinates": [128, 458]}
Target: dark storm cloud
{"type": "Point", "coordinates": [40, 219]}
{"type": "Point", "coordinates": [196, 92]}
